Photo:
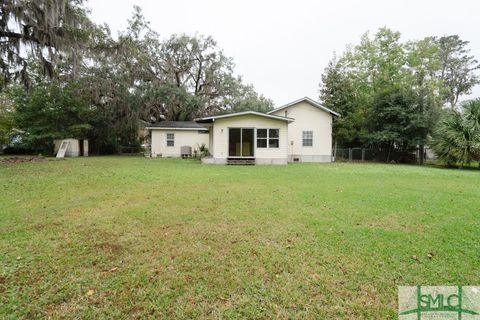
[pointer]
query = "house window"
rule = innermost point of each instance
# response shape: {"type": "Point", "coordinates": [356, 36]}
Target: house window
{"type": "Point", "coordinates": [273, 138]}
{"type": "Point", "coordinates": [170, 139]}
{"type": "Point", "coordinates": [307, 138]}
{"type": "Point", "coordinates": [262, 138]}
{"type": "Point", "coordinates": [268, 138]}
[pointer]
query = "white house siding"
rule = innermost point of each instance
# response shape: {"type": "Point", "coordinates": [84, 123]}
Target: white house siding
{"type": "Point", "coordinates": [262, 155]}
{"type": "Point", "coordinates": [308, 118]}
{"type": "Point", "coordinates": [182, 138]}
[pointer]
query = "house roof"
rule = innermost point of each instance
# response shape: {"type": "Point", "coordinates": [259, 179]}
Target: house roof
{"type": "Point", "coordinates": [176, 125]}
{"type": "Point", "coordinates": [243, 113]}
{"type": "Point", "coordinates": [310, 101]}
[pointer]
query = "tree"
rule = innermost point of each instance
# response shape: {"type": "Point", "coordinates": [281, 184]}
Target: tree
{"type": "Point", "coordinates": [245, 98]}
{"type": "Point", "coordinates": [394, 123]}
{"type": "Point", "coordinates": [49, 111]}
{"type": "Point", "coordinates": [458, 68]}
{"type": "Point", "coordinates": [382, 72]}
{"type": "Point", "coordinates": [199, 67]}
{"type": "Point", "coordinates": [351, 83]}
{"type": "Point", "coordinates": [6, 119]}
{"type": "Point", "coordinates": [457, 139]}
{"type": "Point", "coordinates": [42, 29]}
{"type": "Point", "coordinates": [337, 93]}
{"type": "Point", "coordinates": [422, 67]}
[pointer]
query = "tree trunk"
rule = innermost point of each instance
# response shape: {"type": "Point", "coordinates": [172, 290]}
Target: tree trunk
{"type": "Point", "coordinates": [389, 151]}
{"type": "Point", "coordinates": [421, 154]}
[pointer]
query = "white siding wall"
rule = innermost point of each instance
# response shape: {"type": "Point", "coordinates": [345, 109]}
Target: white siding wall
{"type": "Point", "coordinates": [182, 138]}
{"type": "Point", "coordinates": [308, 118]}
{"type": "Point", "coordinates": [262, 155]}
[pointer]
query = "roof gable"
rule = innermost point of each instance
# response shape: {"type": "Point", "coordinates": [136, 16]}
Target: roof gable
{"type": "Point", "coordinates": [309, 101]}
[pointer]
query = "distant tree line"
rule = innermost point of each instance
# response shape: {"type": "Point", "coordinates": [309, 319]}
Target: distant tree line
{"type": "Point", "coordinates": [64, 76]}
{"type": "Point", "coordinates": [398, 96]}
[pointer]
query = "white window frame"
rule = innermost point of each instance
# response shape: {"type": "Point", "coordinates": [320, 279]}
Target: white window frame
{"type": "Point", "coordinates": [304, 138]}
{"type": "Point", "coordinates": [267, 138]}
{"type": "Point", "coordinates": [171, 139]}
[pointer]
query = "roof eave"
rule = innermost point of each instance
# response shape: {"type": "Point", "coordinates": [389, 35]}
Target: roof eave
{"type": "Point", "coordinates": [243, 113]}
{"type": "Point", "coordinates": [176, 128]}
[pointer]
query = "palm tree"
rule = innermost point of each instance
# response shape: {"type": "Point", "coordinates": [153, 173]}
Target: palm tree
{"type": "Point", "coordinates": [458, 138]}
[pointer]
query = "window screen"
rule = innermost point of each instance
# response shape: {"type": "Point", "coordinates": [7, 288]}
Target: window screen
{"type": "Point", "coordinates": [170, 139]}
{"type": "Point", "coordinates": [307, 138]}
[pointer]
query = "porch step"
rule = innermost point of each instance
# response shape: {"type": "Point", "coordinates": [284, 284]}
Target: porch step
{"type": "Point", "coordinates": [241, 161]}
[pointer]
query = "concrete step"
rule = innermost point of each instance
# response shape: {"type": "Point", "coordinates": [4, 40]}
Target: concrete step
{"type": "Point", "coordinates": [241, 161]}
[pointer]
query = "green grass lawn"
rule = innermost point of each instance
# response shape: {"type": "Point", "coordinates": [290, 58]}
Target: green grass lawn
{"type": "Point", "coordinates": [127, 237]}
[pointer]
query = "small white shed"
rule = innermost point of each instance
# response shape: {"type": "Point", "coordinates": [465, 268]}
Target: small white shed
{"type": "Point", "coordinates": [74, 147]}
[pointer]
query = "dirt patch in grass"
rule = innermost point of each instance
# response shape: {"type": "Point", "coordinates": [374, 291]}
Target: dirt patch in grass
{"type": "Point", "coordinates": [107, 247]}
{"type": "Point", "coordinates": [21, 159]}
{"type": "Point", "coordinates": [3, 282]}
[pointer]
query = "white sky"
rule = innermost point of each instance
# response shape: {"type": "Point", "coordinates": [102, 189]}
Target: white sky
{"type": "Point", "coordinates": [282, 47]}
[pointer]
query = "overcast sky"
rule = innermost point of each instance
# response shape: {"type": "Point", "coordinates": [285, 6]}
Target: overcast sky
{"type": "Point", "coordinates": [282, 47]}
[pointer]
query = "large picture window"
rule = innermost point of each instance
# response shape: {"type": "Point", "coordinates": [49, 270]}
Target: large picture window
{"type": "Point", "coordinates": [268, 138]}
{"type": "Point", "coordinates": [170, 139]}
{"type": "Point", "coordinates": [307, 138]}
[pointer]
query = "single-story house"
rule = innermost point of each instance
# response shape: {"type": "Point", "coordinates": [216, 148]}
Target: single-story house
{"type": "Point", "coordinates": [299, 131]}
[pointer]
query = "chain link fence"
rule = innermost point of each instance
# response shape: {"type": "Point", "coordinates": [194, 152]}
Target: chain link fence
{"type": "Point", "coordinates": [369, 154]}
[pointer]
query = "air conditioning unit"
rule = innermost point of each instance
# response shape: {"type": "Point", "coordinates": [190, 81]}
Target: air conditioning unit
{"type": "Point", "coordinates": [186, 151]}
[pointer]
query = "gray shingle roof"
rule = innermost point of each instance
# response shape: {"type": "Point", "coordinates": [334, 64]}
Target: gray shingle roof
{"type": "Point", "coordinates": [177, 125]}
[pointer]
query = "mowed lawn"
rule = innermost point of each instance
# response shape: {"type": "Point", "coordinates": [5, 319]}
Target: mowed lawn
{"type": "Point", "coordinates": [128, 237]}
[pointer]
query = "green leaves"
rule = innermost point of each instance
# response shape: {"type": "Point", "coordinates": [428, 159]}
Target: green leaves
{"type": "Point", "coordinates": [457, 140]}
{"type": "Point", "coordinates": [390, 94]}
{"type": "Point", "coordinates": [45, 31]}
{"type": "Point", "coordinates": [458, 68]}
{"type": "Point", "coordinates": [50, 111]}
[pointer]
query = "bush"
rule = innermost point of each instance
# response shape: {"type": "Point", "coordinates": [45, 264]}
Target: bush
{"type": "Point", "coordinates": [17, 149]}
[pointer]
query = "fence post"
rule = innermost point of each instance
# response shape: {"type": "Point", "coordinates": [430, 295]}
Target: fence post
{"type": "Point", "coordinates": [363, 154]}
{"type": "Point", "coordinates": [350, 153]}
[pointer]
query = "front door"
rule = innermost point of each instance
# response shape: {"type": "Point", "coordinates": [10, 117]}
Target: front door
{"type": "Point", "coordinates": [241, 142]}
